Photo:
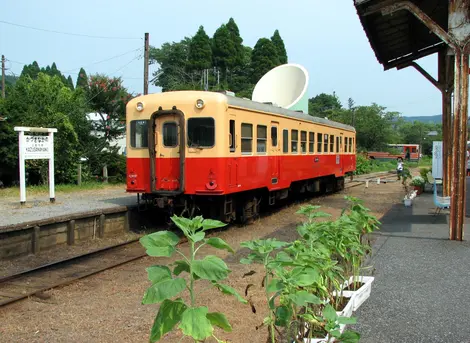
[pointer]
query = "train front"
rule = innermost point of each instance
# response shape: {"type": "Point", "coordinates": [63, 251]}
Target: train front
{"type": "Point", "coordinates": [171, 144]}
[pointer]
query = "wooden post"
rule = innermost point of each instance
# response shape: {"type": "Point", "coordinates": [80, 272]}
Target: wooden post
{"type": "Point", "coordinates": [79, 174]}
{"type": "Point", "coordinates": [105, 174]}
{"type": "Point", "coordinates": [3, 77]}
{"type": "Point", "coordinates": [127, 224]}
{"type": "Point", "coordinates": [71, 232]}
{"type": "Point", "coordinates": [101, 226]}
{"type": "Point", "coordinates": [459, 158]}
{"type": "Point", "coordinates": [35, 239]}
{"type": "Point", "coordinates": [446, 71]}
{"type": "Point", "coordinates": [146, 64]}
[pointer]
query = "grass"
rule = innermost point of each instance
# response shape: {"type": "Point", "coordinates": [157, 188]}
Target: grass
{"type": "Point", "coordinates": [365, 166]}
{"type": "Point", "coordinates": [61, 188]}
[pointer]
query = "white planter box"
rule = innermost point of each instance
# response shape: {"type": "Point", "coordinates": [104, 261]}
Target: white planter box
{"type": "Point", "coordinates": [318, 340]}
{"type": "Point", "coordinates": [407, 202]}
{"type": "Point", "coordinates": [363, 292]}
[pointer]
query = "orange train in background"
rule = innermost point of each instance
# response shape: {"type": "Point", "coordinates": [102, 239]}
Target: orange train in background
{"type": "Point", "coordinates": [191, 151]}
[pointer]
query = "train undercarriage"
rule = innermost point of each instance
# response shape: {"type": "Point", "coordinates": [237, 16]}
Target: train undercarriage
{"type": "Point", "coordinates": [238, 207]}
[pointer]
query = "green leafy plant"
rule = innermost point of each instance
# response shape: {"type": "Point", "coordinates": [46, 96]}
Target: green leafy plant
{"type": "Point", "coordinates": [424, 174]}
{"type": "Point", "coordinates": [194, 321]}
{"type": "Point", "coordinates": [417, 181]}
{"type": "Point", "coordinates": [262, 252]}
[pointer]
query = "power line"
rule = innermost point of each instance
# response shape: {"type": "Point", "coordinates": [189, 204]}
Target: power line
{"type": "Point", "coordinates": [105, 60]}
{"type": "Point", "coordinates": [66, 33]}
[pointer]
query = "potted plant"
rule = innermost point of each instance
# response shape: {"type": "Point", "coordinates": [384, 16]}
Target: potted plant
{"type": "Point", "coordinates": [418, 183]}
{"type": "Point", "coordinates": [194, 320]}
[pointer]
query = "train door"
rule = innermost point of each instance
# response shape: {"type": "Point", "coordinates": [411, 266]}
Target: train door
{"type": "Point", "coordinates": [340, 151]}
{"type": "Point", "coordinates": [274, 153]}
{"type": "Point", "coordinates": [233, 160]}
{"type": "Point", "coordinates": [167, 153]}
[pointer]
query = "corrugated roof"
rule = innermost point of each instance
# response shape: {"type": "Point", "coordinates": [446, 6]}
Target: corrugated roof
{"type": "Point", "coordinates": [400, 38]}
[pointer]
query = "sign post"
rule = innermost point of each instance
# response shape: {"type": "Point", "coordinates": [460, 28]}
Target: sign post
{"type": "Point", "coordinates": [437, 161]}
{"type": "Point", "coordinates": [35, 148]}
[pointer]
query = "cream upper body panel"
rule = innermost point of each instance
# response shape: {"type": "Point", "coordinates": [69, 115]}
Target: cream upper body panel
{"type": "Point", "coordinates": [238, 125]}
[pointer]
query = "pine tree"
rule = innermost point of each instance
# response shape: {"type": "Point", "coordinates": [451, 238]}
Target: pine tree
{"type": "Point", "coordinates": [263, 58]}
{"type": "Point", "coordinates": [280, 47]}
{"type": "Point", "coordinates": [82, 79]}
{"type": "Point", "coordinates": [223, 48]}
{"type": "Point", "coordinates": [200, 51]}
{"type": "Point", "coordinates": [237, 41]}
{"type": "Point", "coordinates": [32, 70]}
{"type": "Point", "coordinates": [70, 82]}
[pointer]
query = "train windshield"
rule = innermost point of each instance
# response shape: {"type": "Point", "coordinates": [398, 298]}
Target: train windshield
{"type": "Point", "coordinates": [201, 132]}
{"type": "Point", "coordinates": [139, 133]}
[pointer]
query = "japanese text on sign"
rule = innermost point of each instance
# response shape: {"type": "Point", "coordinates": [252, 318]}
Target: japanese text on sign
{"type": "Point", "coordinates": [36, 147]}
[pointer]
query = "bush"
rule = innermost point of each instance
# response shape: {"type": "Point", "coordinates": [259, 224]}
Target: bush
{"type": "Point", "coordinates": [417, 181]}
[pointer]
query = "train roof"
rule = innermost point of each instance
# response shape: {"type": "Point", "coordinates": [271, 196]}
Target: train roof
{"type": "Point", "coordinates": [258, 106]}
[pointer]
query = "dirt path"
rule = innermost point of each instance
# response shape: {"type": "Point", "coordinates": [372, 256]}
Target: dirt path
{"type": "Point", "coordinates": [107, 307]}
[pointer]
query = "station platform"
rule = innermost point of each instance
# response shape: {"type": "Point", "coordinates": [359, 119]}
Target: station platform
{"type": "Point", "coordinates": [421, 289]}
{"type": "Point", "coordinates": [39, 208]}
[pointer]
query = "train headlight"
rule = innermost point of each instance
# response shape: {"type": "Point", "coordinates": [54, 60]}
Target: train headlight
{"type": "Point", "coordinates": [139, 106]}
{"type": "Point", "coordinates": [200, 103]}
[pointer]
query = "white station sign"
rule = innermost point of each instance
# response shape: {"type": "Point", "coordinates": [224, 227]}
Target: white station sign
{"type": "Point", "coordinates": [37, 147]}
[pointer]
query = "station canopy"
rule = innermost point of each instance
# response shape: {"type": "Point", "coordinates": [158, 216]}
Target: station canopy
{"type": "Point", "coordinates": [400, 38]}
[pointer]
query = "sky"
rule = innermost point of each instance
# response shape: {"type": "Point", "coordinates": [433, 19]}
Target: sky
{"type": "Point", "coordinates": [326, 37]}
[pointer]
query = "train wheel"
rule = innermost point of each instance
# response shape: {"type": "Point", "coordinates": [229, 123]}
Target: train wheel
{"type": "Point", "coordinates": [249, 210]}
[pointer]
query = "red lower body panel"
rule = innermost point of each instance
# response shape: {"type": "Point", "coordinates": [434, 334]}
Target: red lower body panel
{"type": "Point", "coordinates": [231, 175]}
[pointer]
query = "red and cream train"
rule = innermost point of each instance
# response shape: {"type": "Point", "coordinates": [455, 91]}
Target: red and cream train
{"type": "Point", "coordinates": [221, 154]}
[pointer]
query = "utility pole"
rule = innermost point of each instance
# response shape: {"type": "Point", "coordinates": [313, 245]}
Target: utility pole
{"type": "Point", "coordinates": [146, 64]}
{"type": "Point", "coordinates": [3, 76]}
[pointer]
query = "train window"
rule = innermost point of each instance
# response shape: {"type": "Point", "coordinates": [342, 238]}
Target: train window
{"type": "Point", "coordinates": [285, 141]}
{"type": "Point", "coordinates": [337, 144]}
{"type": "Point", "coordinates": [353, 147]}
{"type": "Point", "coordinates": [311, 142]}
{"type": "Point", "coordinates": [294, 141]}
{"type": "Point", "coordinates": [139, 133]}
{"type": "Point", "coordinates": [325, 143]}
{"type": "Point", "coordinates": [201, 132]}
{"type": "Point", "coordinates": [232, 135]}
{"type": "Point", "coordinates": [319, 142]}
{"type": "Point", "coordinates": [247, 138]}
{"type": "Point", "coordinates": [170, 134]}
{"type": "Point", "coordinates": [274, 136]}
{"type": "Point", "coordinates": [332, 143]}
{"type": "Point", "coordinates": [261, 138]}
{"type": "Point", "coordinates": [346, 144]}
{"type": "Point", "coordinates": [303, 142]}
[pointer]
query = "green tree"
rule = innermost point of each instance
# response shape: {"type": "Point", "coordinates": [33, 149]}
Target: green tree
{"type": "Point", "coordinates": [82, 79]}
{"type": "Point", "coordinates": [32, 70]}
{"type": "Point", "coordinates": [263, 58]}
{"type": "Point", "coordinates": [223, 49]}
{"type": "Point", "coordinates": [200, 51]}
{"type": "Point", "coordinates": [324, 104]}
{"type": "Point", "coordinates": [108, 98]}
{"type": "Point", "coordinates": [374, 127]}
{"type": "Point", "coordinates": [172, 59]}
{"type": "Point", "coordinates": [47, 102]}
{"type": "Point", "coordinates": [237, 41]}
{"type": "Point", "coordinates": [280, 47]}
{"type": "Point", "coordinates": [70, 82]}
{"type": "Point", "coordinates": [240, 78]}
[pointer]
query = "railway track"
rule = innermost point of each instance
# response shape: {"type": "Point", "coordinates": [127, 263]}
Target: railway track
{"type": "Point", "coordinates": [60, 273]}
{"type": "Point", "coordinates": [35, 281]}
